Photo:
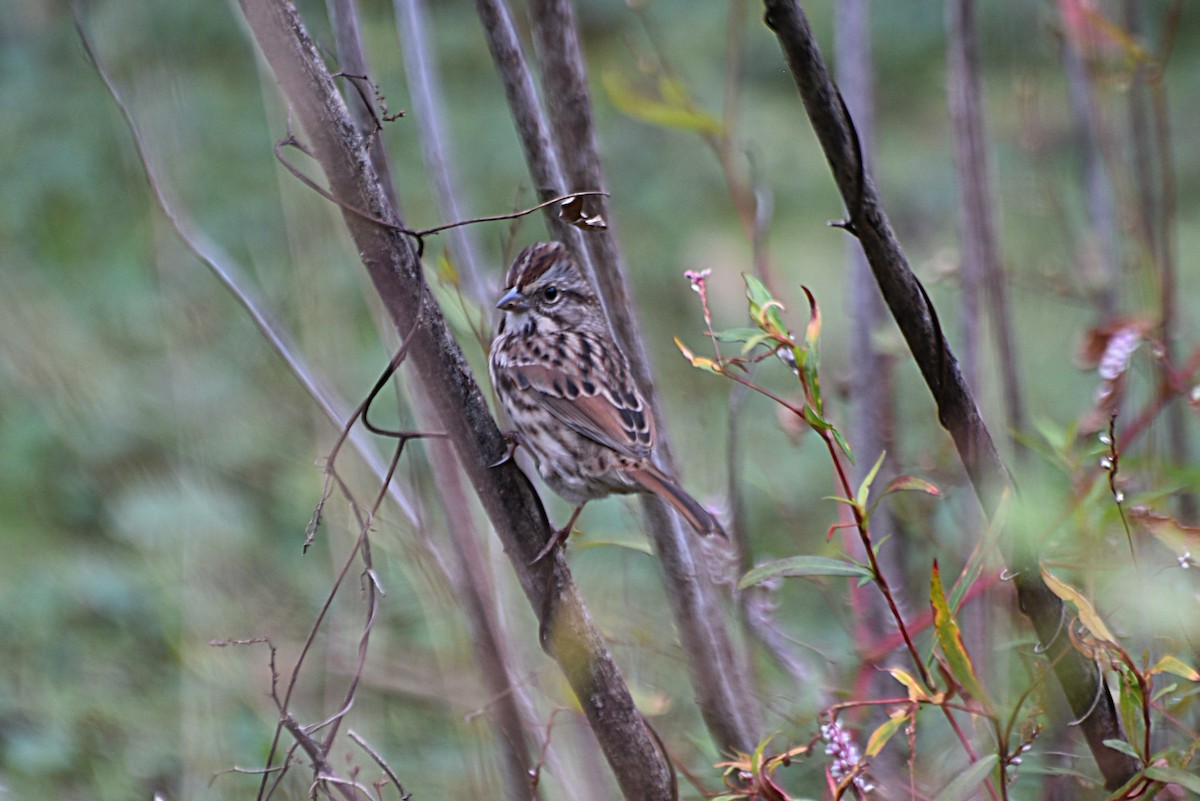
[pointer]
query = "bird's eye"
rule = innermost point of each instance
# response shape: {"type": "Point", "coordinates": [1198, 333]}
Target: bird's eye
{"type": "Point", "coordinates": [550, 293]}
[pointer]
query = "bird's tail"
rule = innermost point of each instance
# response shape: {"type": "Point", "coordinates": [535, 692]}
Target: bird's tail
{"type": "Point", "coordinates": [697, 516]}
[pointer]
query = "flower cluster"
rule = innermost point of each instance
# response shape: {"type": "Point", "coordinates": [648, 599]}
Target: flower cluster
{"type": "Point", "coordinates": [847, 759]}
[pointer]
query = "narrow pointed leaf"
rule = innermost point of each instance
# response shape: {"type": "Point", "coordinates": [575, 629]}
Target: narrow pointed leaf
{"type": "Point", "coordinates": [738, 334]}
{"type": "Point", "coordinates": [1170, 664]}
{"type": "Point", "coordinates": [446, 271]}
{"type": "Point", "coordinates": [1087, 613]}
{"type": "Point", "coordinates": [864, 489]}
{"type": "Point", "coordinates": [673, 110]}
{"type": "Point", "coordinates": [881, 735]}
{"type": "Point", "coordinates": [915, 691]}
{"type": "Point", "coordinates": [1130, 705]}
{"type": "Point", "coordinates": [967, 782]}
{"type": "Point", "coordinates": [950, 640]}
{"type": "Point", "coordinates": [1124, 748]}
{"type": "Point", "coordinates": [911, 484]}
{"type": "Point", "coordinates": [812, 333]}
{"type": "Point", "coordinates": [841, 441]}
{"type": "Point", "coordinates": [801, 566]}
{"type": "Point", "coordinates": [812, 338]}
{"type": "Point", "coordinates": [1184, 778]}
{"type": "Point", "coordinates": [701, 362]}
{"type": "Point", "coordinates": [756, 291]}
{"type": "Point", "coordinates": [641, 547]}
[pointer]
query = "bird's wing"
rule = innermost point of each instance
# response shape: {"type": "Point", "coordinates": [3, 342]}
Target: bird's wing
{"type": "Point", "coordinates": [601, 403]}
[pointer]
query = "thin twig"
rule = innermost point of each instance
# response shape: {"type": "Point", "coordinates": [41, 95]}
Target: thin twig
{"type": "Point", "coordinates": [383, 765]}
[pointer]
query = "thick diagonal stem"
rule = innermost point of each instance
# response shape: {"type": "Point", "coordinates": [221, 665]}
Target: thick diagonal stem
{"type": "Point", "coordinates": [505, 494]}
{"type": "Point", "coordinates": [1083, 684]}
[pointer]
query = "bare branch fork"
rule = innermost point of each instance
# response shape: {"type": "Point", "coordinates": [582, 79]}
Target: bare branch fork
{"type": "Point", "coordinates": [567, 211]}
{"type": "Point", "coordinates": [1081, 680]}
{"type": "Point", "coordinates": [505, 493]}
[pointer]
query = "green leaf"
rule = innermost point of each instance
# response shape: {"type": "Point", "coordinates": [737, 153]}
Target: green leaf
{"type": "Point", "coordinates": [1084, 779]}
{"type": "Point", "coordinates": [640, 547]}
{"type": "Point", "coordinates": [1184, 778]}
{"type": "Point", "coordinates": [672, 110]}
{"type": "Point", "coordinates": [963, 787]}
{"type": "Point", "coordinates": [1165, 690]}
{"type": "Point", "coordinates": [802, 566]}
{"type": "Point", "coordinates": [1129, 703]}
{"type": "Point", "coordinates": [841, 441]}
{"type": "Point", "coordinates": [1124, 748]}
{"type": "Point", "coordinates": [864, 489]}
{"type": "Point", "coordinates": [750, 338]}
{"type": "Point", "coordinates": [950, 640]}
{"type": "Point", "coordinates": [764, 309]}
{"type": "Point", "coordinates": [756, 291]}
{"type": "Point", "coordinates": [738, 334]}
{"type": "Point", "coordinates": [814, 418]}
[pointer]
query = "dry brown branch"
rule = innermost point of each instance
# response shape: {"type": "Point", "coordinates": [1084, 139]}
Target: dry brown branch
{"type": "Point", "coordinates": [505, 493]}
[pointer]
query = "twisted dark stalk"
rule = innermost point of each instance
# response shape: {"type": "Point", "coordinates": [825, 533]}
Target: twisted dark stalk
{"type": "Point", "coordinates": [506, 495]}
{"type": "Point", "coordinates": [1081, 680]}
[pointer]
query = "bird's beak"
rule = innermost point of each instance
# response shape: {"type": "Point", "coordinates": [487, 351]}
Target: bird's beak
{"type": "Point", "coordinates": [513, 300]}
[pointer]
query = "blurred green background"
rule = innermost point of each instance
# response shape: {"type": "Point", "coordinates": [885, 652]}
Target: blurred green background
{"type": "Point", "coordinates": [158, 464]}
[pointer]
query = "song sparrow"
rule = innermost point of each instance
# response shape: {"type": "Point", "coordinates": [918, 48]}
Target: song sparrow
{"type": "Point", "coordinates": [568, 390]}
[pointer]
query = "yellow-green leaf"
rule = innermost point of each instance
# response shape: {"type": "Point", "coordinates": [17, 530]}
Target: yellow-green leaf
{"type": "Point", "coordinates": [1169, 664]}
{"type": "Point", "coordinates": [950, 640]}
{"type": "Point", "coordinates": [446, 271]}
{"type": "Point", "coordinates": [672, 110]}
{"type": "Point", "coordinates": [702, 362]}
{"type": "Point", "coordinates": [1087, 613]}
{"type": "Point", "coordinates": [915, 691]}
{"type": "Point", "coordinates": [881, 735]}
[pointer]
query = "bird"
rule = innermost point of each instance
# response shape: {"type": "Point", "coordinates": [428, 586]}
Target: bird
{"type": "Point", "coordinates": [568, 389]}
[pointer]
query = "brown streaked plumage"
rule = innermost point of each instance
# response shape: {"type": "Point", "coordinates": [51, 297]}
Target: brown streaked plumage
{"type": "Point", "coordinates": [568, 389]}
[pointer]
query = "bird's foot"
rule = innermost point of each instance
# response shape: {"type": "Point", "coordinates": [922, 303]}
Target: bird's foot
{"type": "Point", "coordinates": [557, 538]}
{"type": "Point", "coordinates": [513, 440]}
